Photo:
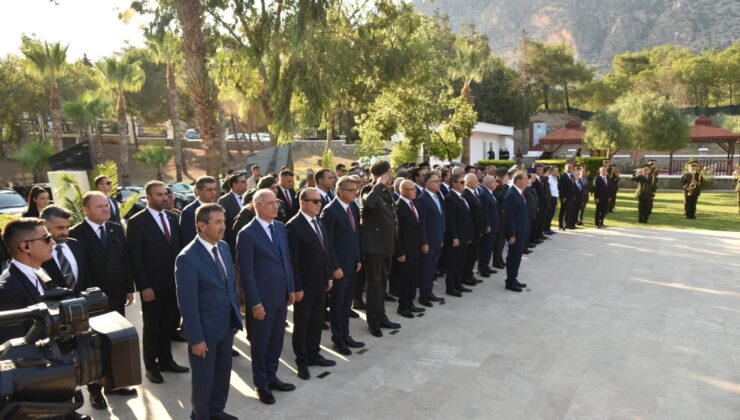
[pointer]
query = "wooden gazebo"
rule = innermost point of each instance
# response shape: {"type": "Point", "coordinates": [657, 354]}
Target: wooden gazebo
{"type": "Point", "coordinates": [702, 131]}
{"type": "Point", "coordinates": [572, 133]}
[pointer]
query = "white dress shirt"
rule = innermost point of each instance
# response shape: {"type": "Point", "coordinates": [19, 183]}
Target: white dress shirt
{"type": "Point", "coordinates": [266, 226]}
{"type": "Point", "coordinates": [68, 255]}
{"type": "Point", "coordinates": [95, 227]}
{"type": "Point", "coordinates": [239, 199]}
{"type": "Point", "coordinates": [209, 247]}
{"type": "Point", "coordinates": [155, 214]}
{"type": "Point", "coordinates": [553, 181]}
{"type": "Point", "coordinates": [30, 274]}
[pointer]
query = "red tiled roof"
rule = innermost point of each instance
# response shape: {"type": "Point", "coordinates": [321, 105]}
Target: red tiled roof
{"type": "Point", "coordinates": [572, 133]}
{"type": "Point", "coordinates": [703, 131]}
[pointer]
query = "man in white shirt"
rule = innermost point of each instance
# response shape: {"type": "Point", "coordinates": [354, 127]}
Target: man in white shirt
{"type": "Point", "coordinates": [254, 179]}
{"type": "Point", "coordinates": [553, 177]}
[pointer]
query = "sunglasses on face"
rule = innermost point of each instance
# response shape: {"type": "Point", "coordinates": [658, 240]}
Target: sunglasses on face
{"type": "Point", "coordinates": [46, 238]}
{"type": "Point", "coordinates": [313, 200]}
{"type": "Point", "coordinates": [107, 183]}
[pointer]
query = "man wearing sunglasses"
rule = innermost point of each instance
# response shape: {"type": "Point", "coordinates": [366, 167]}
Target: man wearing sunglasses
{"type": "Point", "coordinates": [104, 185]}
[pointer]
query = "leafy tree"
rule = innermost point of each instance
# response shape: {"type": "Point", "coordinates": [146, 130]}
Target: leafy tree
{"type": "Point", "coordinates": [728, 73]}
{"type": "Point", "coordinates": [48, 63]}
{"type": "Point", "coordinates": [120, 76]}
{"type": "Point", "coordinates": [698, 75]}
{"type": "Point", "coordinates": [19, 94]}
{"type": "Point", "coordinates": [652, 122]}
{"type": "Point", "coordinates": [501, 97]}
{"type": "Point", "coordinates": [605, 132]}
{"type": "Point", "coordinates": [153, 156]}
{"type": "Point", "coordinates": [87, 112]}
{"type": "Point", "coordinates": [33, 157]}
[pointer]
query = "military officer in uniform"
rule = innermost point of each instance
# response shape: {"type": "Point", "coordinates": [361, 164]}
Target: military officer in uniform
{"type": "Point", "coordinates": [613, 173]}
{"type": "Point", "coordinates": [654, 172]}
{"type": "Point", "coordinates": [691, 182]}
{"type": "Point", "coordinates": [644, 193]}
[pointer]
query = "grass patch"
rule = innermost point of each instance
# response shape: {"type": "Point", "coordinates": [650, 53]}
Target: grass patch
{"type": "Point", "coordinates": [715, 211]}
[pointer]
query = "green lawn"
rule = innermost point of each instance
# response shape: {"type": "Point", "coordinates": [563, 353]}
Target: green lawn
{"type": "Point", "coordinates": [715, 211]}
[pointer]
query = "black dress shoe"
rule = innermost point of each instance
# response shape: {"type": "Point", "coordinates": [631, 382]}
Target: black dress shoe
{"type": "Point", "coordinates": [325, 326]}
{"type": "Point", "coordinates": [321, 361]}
{"type": "Point", "coordinates": [342, 349]}
{"type": "Point", "coordinates": [389, 298]}
{"type": "Point", "coordinates": [521, 285]}
{"type": "Point", "coordinates": [179, 336]}
{"type": "Point", "coordinates": [454, 293]}
{"type": "Point", "coordinates": [513, 287]}
{"type": "Point", "coordinates": [469, 282]}
{"type": "Point", "coordinates": [76, 416]}
{"type": "Point", "coordinates": [500, 265]}
{"type": "Point", "coordinates": [464, 289]}
{"type": "Point", "coordinates": [123, 391]}
{"type": "Point", "coordinates": [154, 376]}
{"type": "Point", "coordinates": [279, 385]}
{"type": "Point", "coordinates": [234, 353]}
{"type": "Point", "coordinates": [526, 251]}
{"type": "Point", "coordinates": [425, 302]}
{"type": "Point", "coordinates": [416, 309]}
{"type": "Point", "coordinates": [435, 298]}
{"type": "Point", "coordinates": [404, 313]}
{"type": "Point", "coordinates": [484, 274]}
{"type": "Point", "coordinates": [354, 344]}
{"type": "Point", "coordinates": [265, 396]}
{"type": "Point", "coordinates": [174, 368]}
{"type": "Point", "coordinates": [476, 280]}
{"type": "Point", "coordinates": [303, 372]}
{"type": "Point", "coordinates": [386, 323]}
{"type": "Point", "coordinates": [224, 416]}
{"type": "Point", "coordinates": [353, 314]}
{"type": "Point", "coordinates": [376, 332]}
{"type": "Point", "coordinates": [358, 304]}
{"type": "Point", "coordinates": [97, 401]}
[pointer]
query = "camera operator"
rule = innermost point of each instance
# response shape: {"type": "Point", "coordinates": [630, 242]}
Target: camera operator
{"type": "Point", "coordinates": [25, 282]}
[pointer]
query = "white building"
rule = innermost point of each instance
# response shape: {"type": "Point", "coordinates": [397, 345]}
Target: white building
{"type": "Point", "coordinates": [487, 136]}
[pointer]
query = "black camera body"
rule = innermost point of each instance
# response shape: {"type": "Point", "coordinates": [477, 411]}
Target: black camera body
{"type": "Point", "coordinates": [72, 342]}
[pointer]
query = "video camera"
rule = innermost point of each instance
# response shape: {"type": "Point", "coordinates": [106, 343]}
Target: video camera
{"type": "Point", "coordinates": [72, 342]}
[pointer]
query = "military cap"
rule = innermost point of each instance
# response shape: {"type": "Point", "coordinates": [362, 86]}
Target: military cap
{"type": "Point", "coordinates": [380, 167]}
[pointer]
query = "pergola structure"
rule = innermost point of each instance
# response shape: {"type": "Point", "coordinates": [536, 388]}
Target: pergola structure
{"type": "Point", "coordinates": [572, 133]}
{"type": "Point", "coordinates": [702, 131]}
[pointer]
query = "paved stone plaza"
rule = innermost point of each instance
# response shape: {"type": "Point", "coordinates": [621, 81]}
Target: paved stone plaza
{"type": "Point", "coordinates": [617, 323]}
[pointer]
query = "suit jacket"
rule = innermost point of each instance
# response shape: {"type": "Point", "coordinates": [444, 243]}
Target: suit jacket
{"type": "Point", "coordinates": [232, 207]}
{"type": "Point", "coordinates": [152, 258]}
{"type": "Point", "coordinates": [476, 213]}
{"type": "Point", "coordinates": [566, 187]}
{"type": "Point", "coordinates": [379, 221]}
{"type": "Point", "coordinates": [242, 219]}
{"type": "Point", "coordinates": [312, 266]}
{"type": "Point", "coordinates": [490, 209]}
{"type": "Point", "coordinates": [109, 265]}
{"type": "Point", "coordinates": [16, 292]}
{"type": "Point", "coordinates": [444, 189]}
{"type": "Point", "coordinates": [83, 272]}
{"type": "Point", "coordinates": [432, 229]}
{"type": "Point", "coordinates": [517, 219]}
{"type": "Point", "coordinates": [187, 222]}
{"type": "Point", "coordinates": [115, 210]}
{"type": "Point", "coordinates": [458, 223]}
{"type": "Point", "coordinates": [601, 188]}
{"type": "Point", "coordinates": [293, 209]}
{"type": "Point", "coordinates": [345, 242]}
{"type": "Point", "coordinates": [209, 304]}
{"type": "Point", "coordinates": [408, 239]}
{"type": "Point", "coordinates": [266, 275]}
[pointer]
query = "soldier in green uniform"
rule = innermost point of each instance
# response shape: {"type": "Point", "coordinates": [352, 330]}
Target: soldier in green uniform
{"type": "Point", "coordinates": [644, 193]}
{"type": "Point", "coordinates": [654, 172]}
{"type": "Point", "coordinates": [613, 174]}
{"type": "Point", "coordinates": [737, 186]}
{"type": "Point", "coordinates": [691, 182]}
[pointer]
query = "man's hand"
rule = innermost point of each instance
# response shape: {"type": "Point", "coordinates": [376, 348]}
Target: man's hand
{"type": "Point", "coordinates": [147, 295]}
{"type": "Point", "coordinates": [455, 243]}
{"type": "Point", "coordinates": [511, 241]}
{"type": "Point", "coordinates": [130, 299]}
{"type": "Point", "coordinates": [425, 249]}
{"type": "Point", "coordinates": [299, 296]}
{"type": "Point", "coordinates": [338, 274]}
{"type": "Point", "coordinates": [258, 312]}
{"type": "Point", "coordinates": [200, 349]}
{"type": "Point", "coordinates": [359, 267]}
{"type": "Point", "coordinates": [329, 285]}
{"type": "Point", "coordinates": [291, 298]}
{"type": "Point", "coordinates": [401, 259]}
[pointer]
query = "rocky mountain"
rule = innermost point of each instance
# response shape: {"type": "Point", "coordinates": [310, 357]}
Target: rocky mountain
{"type": "Point", "coordinates": [596, 29]}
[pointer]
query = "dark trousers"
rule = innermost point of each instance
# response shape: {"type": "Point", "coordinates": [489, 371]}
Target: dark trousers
{"type": "Point", "coordinates": [427, 271]}
{"type": "Point", "coordinates": [159, 320]}
{"type": "Point", "coordinates": [613, 197]}
{"type": "Point", "coordinates": [471, 256]}
{"type": "Point", "coordinates": [455, 264]}
{"type": "Point", "coordinates": [308, 320]}
{"type": "Point", "coordinates": [550, 214]}
{"type": "Point", "coordinates": [210, 378]}
{"type": "Point", "coordinates": [498, 246]}
{"type": "Point", "coordinates": [359, 286]}
{"type": "Point", "coordinates": [582, 209]}
{"type": "Point", "coordinates": [514, 260]}
{"type": "Point", "coordinates": [571, 215]}
{"type": "Point", "coordinates": [690, 204]}
{"type": "Point", "coordinates": [407, 279]}
{"type": "Point", "coordinates": [267, 344]}
{"type": "Point", "coordinates": [485, 250]}
{"type": "Point", "coordinates": [377, 268]}
{"type": "Point", "coordinates": [643, 206]}
{"type": "Point", "coordinates": [340, 303]}
{"type": "Point", "coordinates": [602, 208]}
{"type": "Point", "coordinates": [562, 216]}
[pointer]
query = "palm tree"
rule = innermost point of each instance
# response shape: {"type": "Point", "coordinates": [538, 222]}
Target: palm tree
{"type": "Point", "coordinates": [167, 51]}
{"type": "Point", "coordinates": [153, 157]}
{"type": "Point", "coordinates": [48, 62]}
{"type": "Point", "coordinates": [86, 112]}
{"type": "Point", "coordinates": [121, 76]}
{"type": "Point", "coordinates": [190, 16]}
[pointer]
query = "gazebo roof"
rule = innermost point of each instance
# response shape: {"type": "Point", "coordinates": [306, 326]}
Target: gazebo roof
{"type": "Point", "coordinates": [703, 131]}
{"type": "Point", "coordinates": [572, 133]}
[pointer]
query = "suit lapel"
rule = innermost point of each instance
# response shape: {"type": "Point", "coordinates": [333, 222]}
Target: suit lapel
{"type": "Point", "coordinates": [265, 238]}
{"type": "Point", "coordinates": [26, 284]}
{"type": "Point", "coordinates": [310, 230]}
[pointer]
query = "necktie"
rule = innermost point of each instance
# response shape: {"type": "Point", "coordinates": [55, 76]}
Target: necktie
{"type": "Point", "coordinates": [65, 268]}
{"type": "Point", "coordinates": [239, 201]}
{"type": "Point", "coordinates": [351, 219]}
{"type": "Point", "coordinates": [317, 229]}
{"type": "Point", "coordinates": [274, 237]}
{"type": "Point", "coordinates": [220, 266]}
{"type": "Point", "coordinates": [413, 209]}
{"type": "Point", "coordinates": [436, 203]}
{"type": "Point", "coordinates": [165, 229]}
{"type": "Point", "coordinates": [42, 279]}
{"type": "Point", "coordinates": [604, 179]}
{"type": "Point", "coordinates": [113, 208]}
{"type": "Point", "coordinates": [523, 197]}
{"type": "Point", "coordinates": [287, 199]}
{"type": "Point", "coordinates": [465, 202]}
{"type": "Point", "coordinates": [103, 235]}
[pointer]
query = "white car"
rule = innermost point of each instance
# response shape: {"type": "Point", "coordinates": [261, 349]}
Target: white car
{"type": "Point", "coordinates": [236, 136]}
{"type": "Point", "coordinates": [11, 202]}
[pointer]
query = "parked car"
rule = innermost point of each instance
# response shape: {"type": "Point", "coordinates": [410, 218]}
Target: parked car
{"type": "Point", "coordinates": [125, 192]}
{"type": "Point", "coordinates": [183, 193]}
{"type": "Point", "coordinates": [11, 202]}
{"type": "Point", "coordinates": [263, 137]}
{"type": "Point", "coordinates": [236, 136]}
{"type": "Point", "coordinates": [192, 134]}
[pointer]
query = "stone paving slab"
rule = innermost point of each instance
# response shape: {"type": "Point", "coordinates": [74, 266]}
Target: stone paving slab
{"type": "Point", "coordinates": [616, 324]}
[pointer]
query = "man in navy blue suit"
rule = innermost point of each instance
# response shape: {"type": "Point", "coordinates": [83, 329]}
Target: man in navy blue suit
{"type": "Point", "coordinates": [341, 218]}
{"type": "Point", "coordinates": [206, 191]}
{"type": "Point", "coordinates": [266, 273]}
{"type": "Point", "coordinates": [206, 291]}
{"type": "Point", "coordinates": [458, 235]}
{"type": "Point", "coordinates": [491, 214]}
{"type": "Point", "coordinates": [431, 237]}
{"type": "Point", "coordinates": [516, 230]}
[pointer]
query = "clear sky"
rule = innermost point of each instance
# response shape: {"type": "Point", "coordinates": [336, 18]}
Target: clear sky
{"type": "Point", "coordinates": [87, 26]}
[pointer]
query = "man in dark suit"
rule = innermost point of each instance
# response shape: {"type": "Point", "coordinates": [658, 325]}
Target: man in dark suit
{"type": "Point", "coordinates": [536, 235]}
{"type": "Point", "coordinates": [286, 193]}
{"type": "Point", "coordinates": [431, 237]}
{"type": "Point", "coordinates": [341, 218]}
{"type": "Point", "coordinates": [104, 185]}
{"type": "Point", "coordinates": [153, 244]}
{"type": "Point", "coordinates": [377, 240]}
{"type": "Point", "coordinates": [206, 291]}
{"type": "Point", "coordinates": [516, 230]}
{"type": "Point", "coordinates": [601, 196]}
{"type": "Point", "coordinates": [206, 191]}
{"type": "Point", "coordinates": [232, 202]}
{"type": "Point", "coordinates": [266, 273]}
{"type": "Point", "coordinates": [68, 266]}
{"type": "Point", "coordinates": [104, 245]}
{"type": "Point", "coordinates": [458, 235]}
{"type": "Point", "coordinates": [312, 274]}
{"type": "Point", "coordinates": [567, 190]}
{"type": "Point", "coordinates": [470, 194]}
{"type": "Point", "coordinates": [405, 267]}
{"type": "Point", "coordinates": [502, 179]}
{"type": "Point", "coordinates": [491, 212]}
{"type": "Point", "coordinates": [325, 180]}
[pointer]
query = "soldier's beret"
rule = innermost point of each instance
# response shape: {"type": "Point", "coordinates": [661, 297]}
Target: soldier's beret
{"type": "Point", "coordinates": [694, 162]}
{"type": "Point", "coordinates": [380, 167]}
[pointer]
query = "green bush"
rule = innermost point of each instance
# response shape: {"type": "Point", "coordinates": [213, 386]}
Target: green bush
{"type": "Point", "coordinates": [560, 163]}
{"type": "Point", "coordinates": [497, 163]}
{"type": "Point", "coordinates": [34, 157]}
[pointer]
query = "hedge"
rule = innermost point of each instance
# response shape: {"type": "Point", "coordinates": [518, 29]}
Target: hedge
{"type": "Point", "coordinates": [497, 163]}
